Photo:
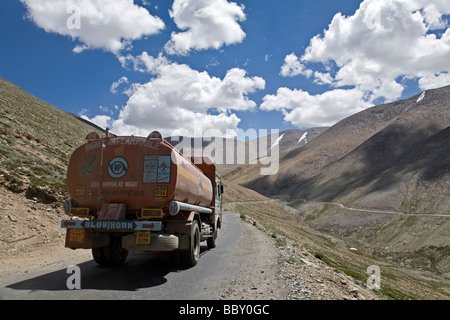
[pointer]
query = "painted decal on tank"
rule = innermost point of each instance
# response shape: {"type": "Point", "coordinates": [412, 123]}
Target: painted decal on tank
{"type": "Point", "coordinates": [87, 167]}
{"type": "Point", "coordinates": [156, 169]}
{"type": "Point", "coordinates": [117, 167]}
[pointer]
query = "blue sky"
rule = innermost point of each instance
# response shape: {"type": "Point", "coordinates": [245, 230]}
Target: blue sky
{"type": "Point", "coordinates": [222, 65]}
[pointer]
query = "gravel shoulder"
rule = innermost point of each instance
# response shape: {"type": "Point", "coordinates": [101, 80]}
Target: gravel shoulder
{"type": "Point", "coordinates": [299, 274]}
{"type": "Point", "coordinates": [264, 268]}
{"type": "Point", "coordinates": [251, 270]}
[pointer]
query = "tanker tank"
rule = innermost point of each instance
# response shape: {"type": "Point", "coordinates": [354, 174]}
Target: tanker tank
{"type": "Point", "coordinates": [138, 172]}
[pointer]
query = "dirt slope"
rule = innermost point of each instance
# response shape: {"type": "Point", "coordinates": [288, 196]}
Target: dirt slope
{"type": "Point", "coordinates": [36, 140]}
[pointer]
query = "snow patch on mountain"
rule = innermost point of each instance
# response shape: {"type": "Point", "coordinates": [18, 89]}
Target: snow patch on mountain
{"type": "Point", "coordinates": [277, 142]}
{"type": "Point", "coordinates": [303, 137]}
{"type": "Point", "coordinates": [422, 96]}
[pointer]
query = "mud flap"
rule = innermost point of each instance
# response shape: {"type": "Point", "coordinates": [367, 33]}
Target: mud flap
{"type": "Point", "coordinates": [85, 239]}
{"type": "Point", "coordinates": [78, 238]}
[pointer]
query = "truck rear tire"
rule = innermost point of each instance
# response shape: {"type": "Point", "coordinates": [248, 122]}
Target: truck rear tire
{"type": "Point", "coordinates": [211, 242]}
{"type": "Point", "coordinates": [189, 258]}
{"type": "Point", "coordinates": [112, 255]}
{"type": "Point", "coordinates": [99, 255]}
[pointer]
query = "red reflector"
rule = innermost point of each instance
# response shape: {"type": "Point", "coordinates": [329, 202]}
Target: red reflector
{"type": "Point", "coordinates": [148, 226]}
{"type": "Point", "coordinates": [69, 223]}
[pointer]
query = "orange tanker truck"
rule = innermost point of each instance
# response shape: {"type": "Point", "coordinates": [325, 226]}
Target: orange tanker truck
{"type": "Point", "coordinates": [136, 193]}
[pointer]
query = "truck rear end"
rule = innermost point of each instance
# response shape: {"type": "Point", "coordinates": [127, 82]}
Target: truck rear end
{"type": "Point", "coordinates": [135, 193]}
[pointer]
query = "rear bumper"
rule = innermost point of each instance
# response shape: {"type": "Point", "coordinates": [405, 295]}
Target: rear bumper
{"type": "Point", "coordinates": [112, 225]}
{"type": "Point", "coordinates": [95, 233]}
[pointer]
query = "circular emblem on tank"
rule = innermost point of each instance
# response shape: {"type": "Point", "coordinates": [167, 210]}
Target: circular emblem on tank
{"type": "Point", "coordinates": [117, 167]}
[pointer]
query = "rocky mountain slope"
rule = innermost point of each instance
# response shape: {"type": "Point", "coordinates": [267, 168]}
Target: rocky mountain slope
{"type": "Point", "coordinates": [228, 153]}
{"type": "Point", "coordinates": [394, 188]}
{"type": "Point", "coordinates": [36, 140]}
{"type": "Point", "coordinates": [291, 142]}
{"type": "Point", "coordinates": [404, 167]}
{"type": "Point", "coordinates": [289, 227]}
{"type": "Point", "coordinates": [300, 164]}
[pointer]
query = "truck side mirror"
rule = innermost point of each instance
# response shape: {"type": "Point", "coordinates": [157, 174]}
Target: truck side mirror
{"type": "Point", "coordinates": [221, 188]}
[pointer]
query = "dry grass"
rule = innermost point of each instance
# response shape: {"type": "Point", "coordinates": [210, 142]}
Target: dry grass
{"type": "Point", "coordinates": [36, 140]}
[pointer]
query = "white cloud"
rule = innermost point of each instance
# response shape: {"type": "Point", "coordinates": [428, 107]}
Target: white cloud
{"type": "Point", "coordinates": [384, 42]}
{"type": "Point", "coordinates": [323, 78]}
{"type": "Point", "coordinates": [116, 84]}
{"type": "Point", "coordinates": [305, 110]}
{"type": "Point", "coordinates": [435, 81]}
{"type": "Point", "coordinates": [144, 62]}
{"type": "Point", "coordinates": [293, 67]}
{"type": "Point", "coordinates": [102, 121]}
{"type": "Point", "coordinates": [207, 24]}
{"type": "Point", "coordinates": [180, 98]}
{"type": "Point", "coordinates": [103, 108]}
{"type": "Point", "coordinates": [103, 24]}
{"type": "Point", "coordinates": [432, 12]}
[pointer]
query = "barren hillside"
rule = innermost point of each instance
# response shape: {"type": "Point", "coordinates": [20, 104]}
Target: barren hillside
{"type": "Point", "coordinates": [300, 164]}
{"type": "Point", "coordinates": [36, 140]}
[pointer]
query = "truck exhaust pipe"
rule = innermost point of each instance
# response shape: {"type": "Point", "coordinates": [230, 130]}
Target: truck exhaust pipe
{"type": "Point", "coordinates": [175, 207]}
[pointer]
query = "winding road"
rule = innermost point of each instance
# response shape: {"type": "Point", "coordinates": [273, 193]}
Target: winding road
{"type": "Point", "coordinates": [382, 211]}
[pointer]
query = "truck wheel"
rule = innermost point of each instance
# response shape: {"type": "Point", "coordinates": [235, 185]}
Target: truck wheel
{"type": "Point", "coordinates": [189, 258]}
{"type": "Point", "coordinates": [99, 255]}
{"type": "Point", "coordinates": [211, 242]}
{"type": "Point", "coordinates": [111, 255]}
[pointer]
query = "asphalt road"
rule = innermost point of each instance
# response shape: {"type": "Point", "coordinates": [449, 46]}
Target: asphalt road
{"type": "Point", "coordinates": [144, 275]}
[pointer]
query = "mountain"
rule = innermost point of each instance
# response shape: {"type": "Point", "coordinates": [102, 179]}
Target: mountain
{"type": "Point", "coordinates": [393, 189]}
{"type": "Point", "coordinates": [298, 165]}
{"type": "Point", "coordinates": [404, 167]}
{"type": "Point", "coordinates": [36, 140]}
{"type": "Point", "coordinates": [291, 142]}
{"type": "Point", "coordinates": [223, 152]}
{"type": "Point", "coordinates": [294, 138]}
{"type": "Point", "coordinates": [228, 153]}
